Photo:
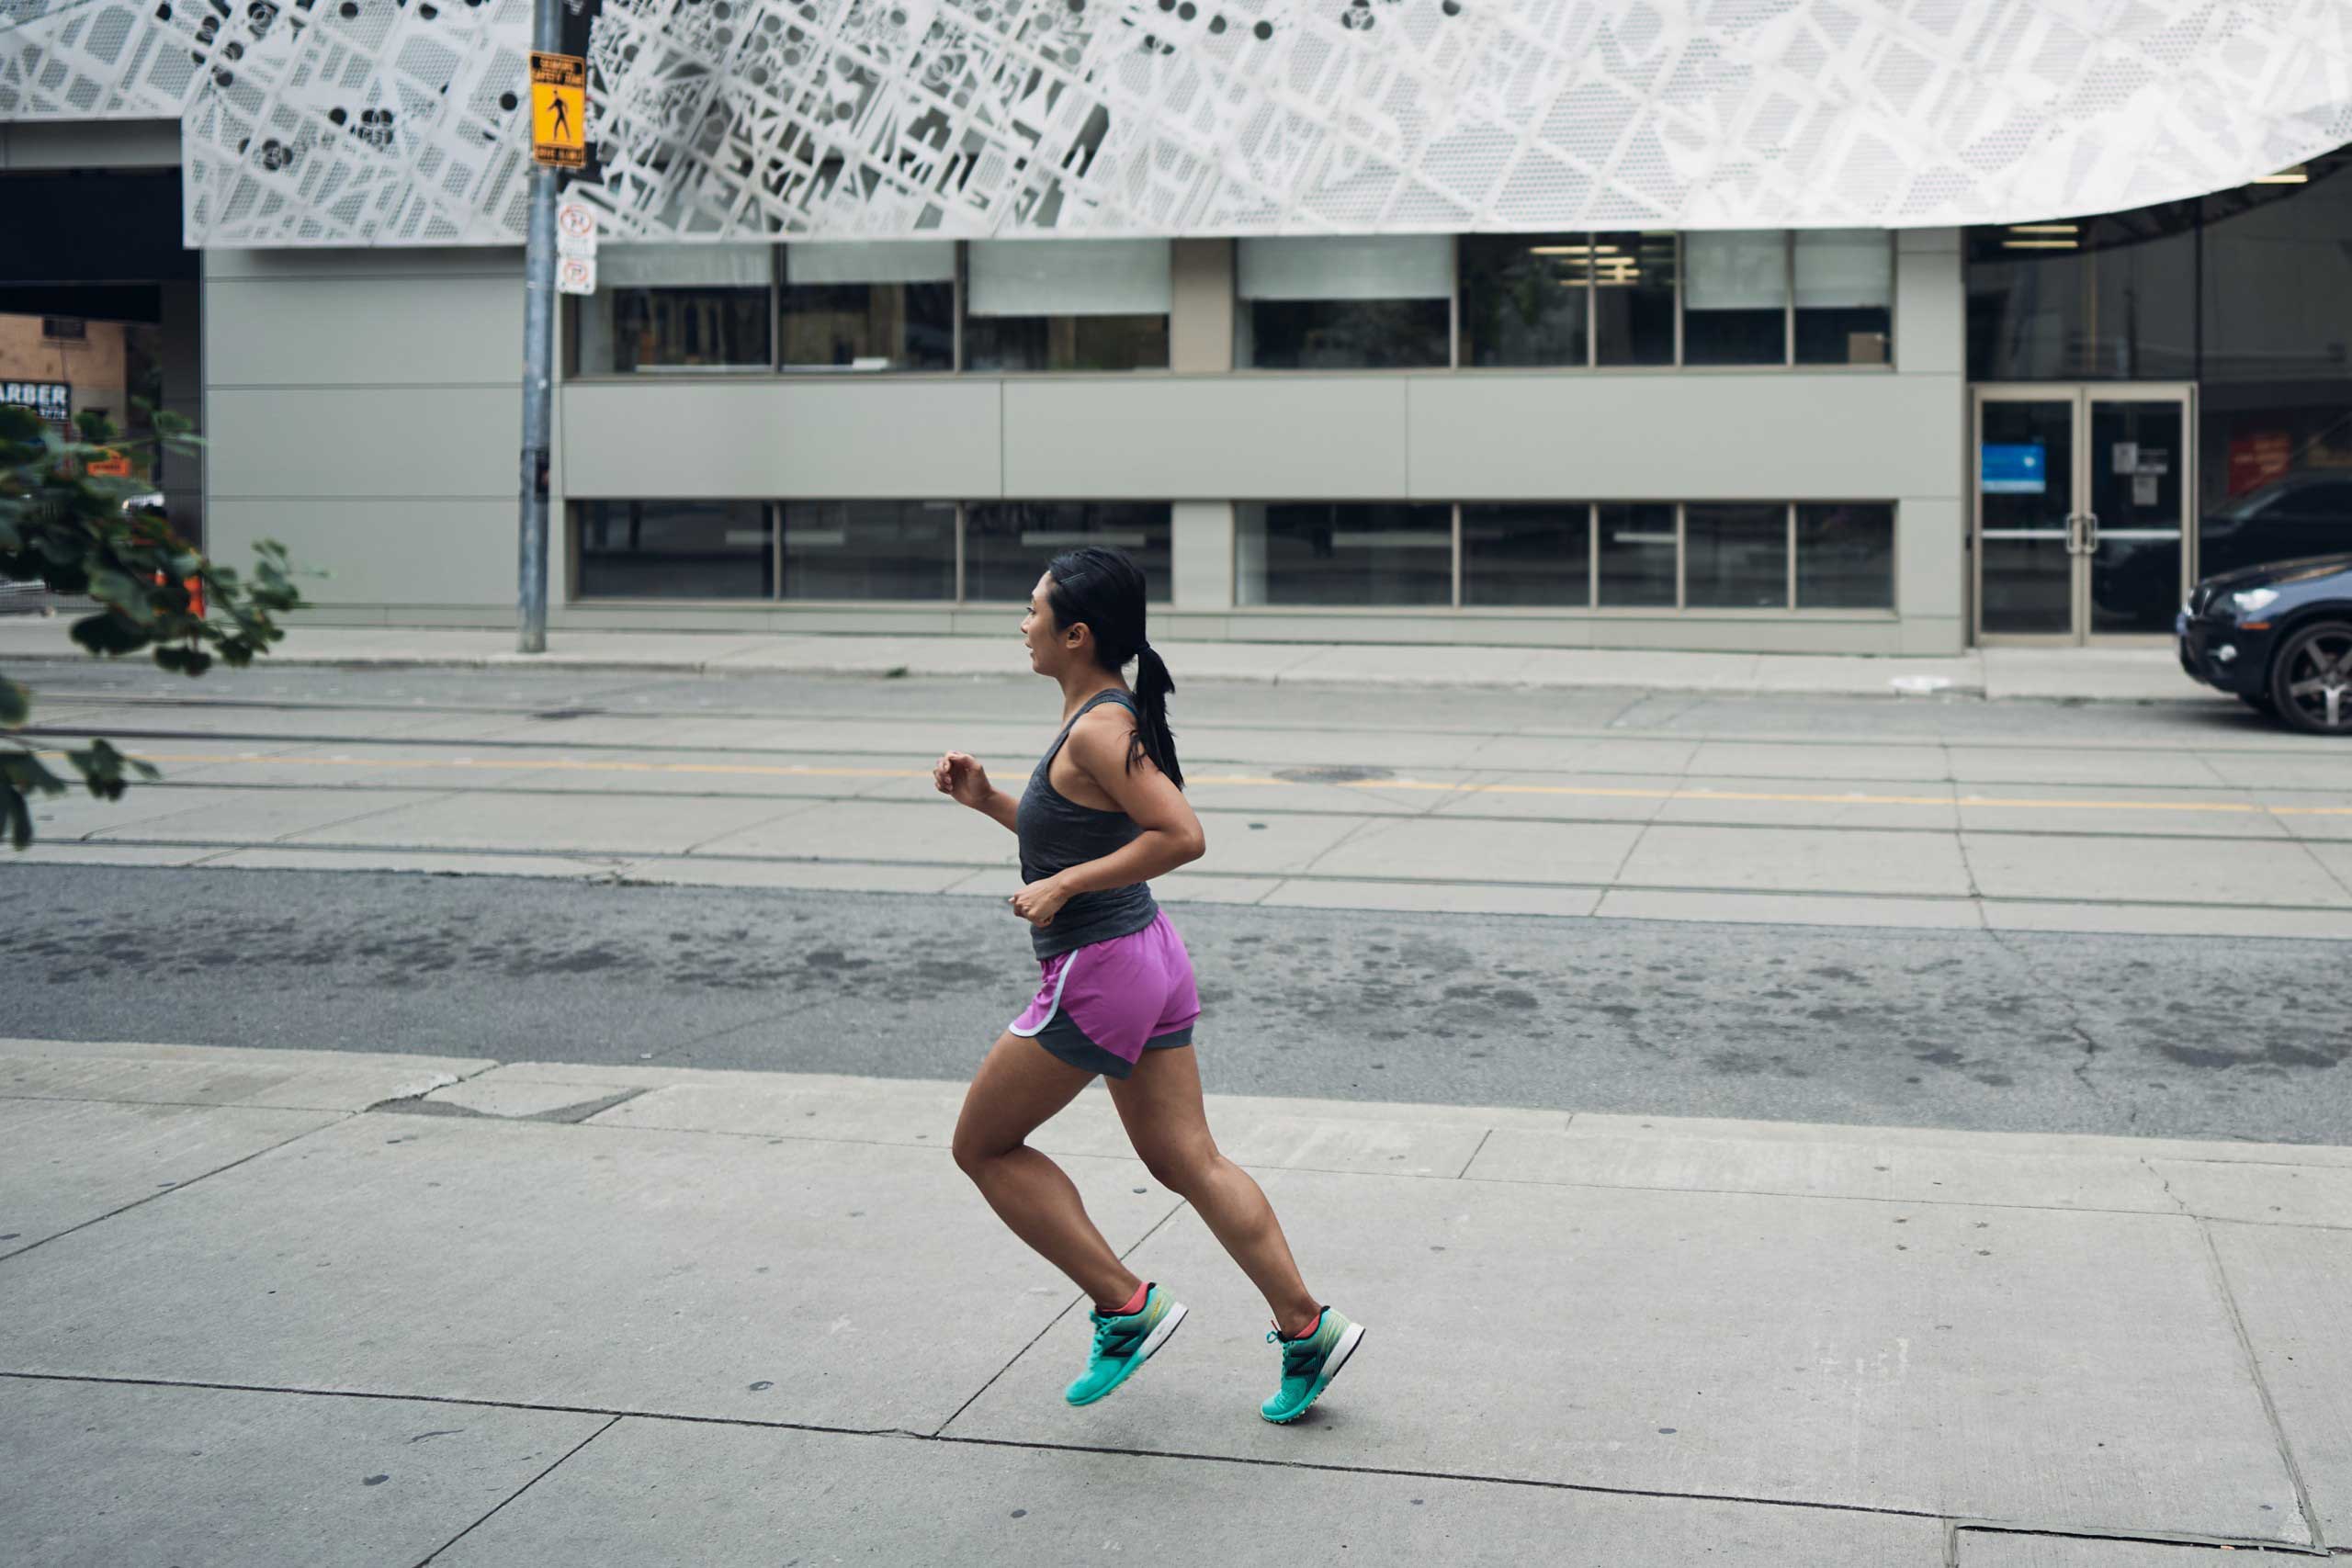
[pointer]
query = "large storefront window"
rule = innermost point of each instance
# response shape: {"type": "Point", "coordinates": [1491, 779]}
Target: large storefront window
{"type": "Point", "coordinates": [2110, 298]}
{"type": "Point", "coordinates": [1376, 303]}
{"type": "Point", "coordinates": [2276, 405]}
{"type": "Point", "coordinates": [675, 550]}
{"type": "Point", "coordinates": [1067, 305]}
{"type": "Point", "coordinates": [886, 305]}
{"type": "Point", "coordinates": [2248, 292]}
{"type": "Point", "coordinates": [677, 309]}
{"type": "Point", "coordinates": [1319, 553]}
{"type": "Point", "coordinates": [869, 549]}
{"type": "Point", "coordinates": [1008, 544]}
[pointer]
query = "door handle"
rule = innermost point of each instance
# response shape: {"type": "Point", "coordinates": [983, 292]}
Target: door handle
{"type": "Point", "coordinates": [2073, 533]}
{"type": "Point", "coordinates": [2090, 533]}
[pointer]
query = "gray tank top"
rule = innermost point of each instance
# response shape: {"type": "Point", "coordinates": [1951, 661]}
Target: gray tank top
{"type": "Point", "coordinates": [1056, 833]}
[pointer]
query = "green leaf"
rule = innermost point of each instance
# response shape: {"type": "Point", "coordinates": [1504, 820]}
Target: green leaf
{"type": "Point", "coordinates": [107, 633]}
{"type": "Point", "coordinates": [21, 768]}
{"type": "Point", "coordinates": [20, 818]}
{"type": "Point", "coordinates": [15, 705]}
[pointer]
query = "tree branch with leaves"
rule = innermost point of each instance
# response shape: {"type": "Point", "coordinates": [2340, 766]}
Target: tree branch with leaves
{"type": "Point", "coordinates": [66, 528]}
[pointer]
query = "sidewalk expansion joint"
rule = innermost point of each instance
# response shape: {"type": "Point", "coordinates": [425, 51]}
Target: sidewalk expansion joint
{"type": "Point", "coordinates": [2220, 1275]}
{"type": "Point", "coordinates": [340, 1118]}
{"type": "Point", "coordinates": [428, 1557]}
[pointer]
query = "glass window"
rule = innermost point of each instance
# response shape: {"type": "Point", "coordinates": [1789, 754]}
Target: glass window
{"type": "Point", "coordinates": [1344, 303]}
{"type": "Point", "coordinates": [1736, 298]}
{"type": "Point", "coordinates": [1845, 556]}
{"type": "Point", "coordinates": [1067, 305]}
{"type": "Point", "coordinates": [1844, 296]}
{"type": "Point", "coordinates": [885, 305]}
{"type": "Point", "coordinates": [1637, 555]}
{"type": "Point", "coordinates": [675, 550]}
{"type": "Point", "coordinates": [1008, 544]}
{"type": "Point", "coordinates": [1633, 284]}
{"type": "Point", "coordinates": [1527, 555]}
{"type": "Point", "coordinates": [869, 549]}
{"type": "Point", "coordinates": [1736, 557]}
{"type": "Point", "coordinates": [1319, 553]}
{"type": "Point", "coordinates": [677, 309]}
{"type": "Point", "coordinates": [2275, 478]}
{"type": "Point", "coordinates": [1526, 299]}
{"type": "Point", "coordinates": [2097, 298]}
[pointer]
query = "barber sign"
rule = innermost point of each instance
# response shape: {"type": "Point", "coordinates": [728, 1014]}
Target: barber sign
{"type": "Point", "coordinates": [52, 400]}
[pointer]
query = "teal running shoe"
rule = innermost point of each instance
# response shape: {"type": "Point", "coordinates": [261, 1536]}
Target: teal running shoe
{"type": "Point", "coordinates": [1122, 1343]}
{"type": "Point", "coordinates": [1310, 1364]}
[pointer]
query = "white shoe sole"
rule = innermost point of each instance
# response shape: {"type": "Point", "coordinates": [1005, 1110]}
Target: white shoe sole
{"type": "Point", "coordinates": [1160, 1335]}
{"type": "Point", "coordinates": [1339, 1354]}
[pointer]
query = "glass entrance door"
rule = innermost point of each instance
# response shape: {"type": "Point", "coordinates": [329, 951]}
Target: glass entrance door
{"type": "Point", "coordinates": [2081, 512]}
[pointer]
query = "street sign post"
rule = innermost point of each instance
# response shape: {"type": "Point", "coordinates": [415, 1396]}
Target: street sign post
{"type": "Point", "coordinates": [558, 140]}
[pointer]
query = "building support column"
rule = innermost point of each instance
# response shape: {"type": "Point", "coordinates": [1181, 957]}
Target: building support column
{"type": "Point", "coordinates": [1201, 540]}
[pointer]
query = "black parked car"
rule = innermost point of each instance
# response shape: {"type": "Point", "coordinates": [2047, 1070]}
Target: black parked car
{"type": "Point", "coordinates": [2278, 637]}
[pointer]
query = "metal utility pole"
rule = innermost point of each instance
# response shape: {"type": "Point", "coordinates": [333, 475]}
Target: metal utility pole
{"type": "Point", "coordinates": [558, 107]}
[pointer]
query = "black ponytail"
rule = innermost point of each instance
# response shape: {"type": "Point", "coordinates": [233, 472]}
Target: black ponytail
{"type": "Point", "coordinates": [1104, 591]}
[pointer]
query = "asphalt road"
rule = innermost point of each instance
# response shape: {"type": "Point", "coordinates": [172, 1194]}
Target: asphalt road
{"type": "Point", "coordinates": [2196, 1037]}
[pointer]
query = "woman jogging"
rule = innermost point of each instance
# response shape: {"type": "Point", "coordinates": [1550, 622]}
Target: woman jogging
{"type": "Point", "coordinates": [1105, 812]}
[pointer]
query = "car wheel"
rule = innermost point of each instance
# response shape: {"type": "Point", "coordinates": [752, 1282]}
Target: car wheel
{"type": "Point", "coordinates": [2260, 703]}
{"type": "Point", "coordinates": [2311, 681]}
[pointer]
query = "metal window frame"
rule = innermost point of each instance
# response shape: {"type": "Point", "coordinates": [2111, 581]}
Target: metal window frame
{"type": "Point", "coordinates": [963, 521]}
{"type": "Point", "coordinates": [1592, 555]}
{"type": "Point", "coordinates": [1789, 601]}
{"type": "Point", "coordinates": [1787, 301]}
{"type": "Point", "coordinates": [1452, 362]}
{"type": "Point", "coordinates": [1456, 509]}
{"type": "Point", "coordinates": [775, 319]}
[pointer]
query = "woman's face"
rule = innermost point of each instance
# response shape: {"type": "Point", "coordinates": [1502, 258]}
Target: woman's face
{"type": "Point", "coordinates": [1049, 652]}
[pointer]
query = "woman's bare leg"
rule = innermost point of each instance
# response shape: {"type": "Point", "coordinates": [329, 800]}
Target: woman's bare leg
{"type": "Point", "coordinates": [1161, 1103]}
{"type": "Point", "coordinates": [1017, 1089]}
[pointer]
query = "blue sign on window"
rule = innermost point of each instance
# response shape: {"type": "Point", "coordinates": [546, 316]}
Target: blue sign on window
{"type": "Point", "coordinates": [2020, 469]}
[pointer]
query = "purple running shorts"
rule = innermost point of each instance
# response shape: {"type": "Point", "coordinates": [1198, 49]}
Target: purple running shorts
{"type": "Point", "coordinates": [1102, 1006]}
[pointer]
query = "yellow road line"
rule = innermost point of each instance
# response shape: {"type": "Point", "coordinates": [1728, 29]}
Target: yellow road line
{"type": "Point", "coordinates": [1570, 791]}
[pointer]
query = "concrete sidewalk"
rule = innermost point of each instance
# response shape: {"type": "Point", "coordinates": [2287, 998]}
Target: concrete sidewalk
{"type": "Point", "coordinates": [2149, 674]}
{"type": "Point", "coordinates": [318, 1308]}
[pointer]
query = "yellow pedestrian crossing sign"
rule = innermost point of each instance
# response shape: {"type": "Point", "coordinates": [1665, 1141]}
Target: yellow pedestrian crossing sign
{"type": "Point", "coordinates": [558, 110]}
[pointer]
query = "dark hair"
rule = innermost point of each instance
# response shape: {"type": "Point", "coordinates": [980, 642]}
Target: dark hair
{"type": "Point", "coordinates": [1104, 591]}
